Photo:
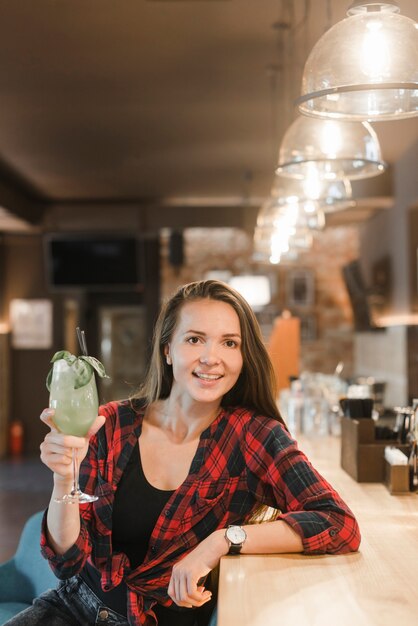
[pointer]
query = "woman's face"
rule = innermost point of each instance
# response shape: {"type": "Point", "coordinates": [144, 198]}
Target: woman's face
{"type": "Point", "coordinates": [205, 351]}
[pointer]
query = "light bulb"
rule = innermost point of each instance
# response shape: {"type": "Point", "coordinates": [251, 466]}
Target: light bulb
{"type": "Point", "coordinates": [312, 184]}
{"type": "Point", "coordinates": [375, 51]}
{"type": "Point", "coordinates": [279, 242]}
{"type": "Point", "coordinates": [330, 139]}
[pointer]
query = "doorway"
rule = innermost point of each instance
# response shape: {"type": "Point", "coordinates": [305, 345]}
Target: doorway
{"type": "Point", "coordinates": [122, 349]}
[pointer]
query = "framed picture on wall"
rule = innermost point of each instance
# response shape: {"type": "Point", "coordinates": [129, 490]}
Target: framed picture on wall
{"type": "Point", "coordinates": [31, 324]}
{"type": "Point", "coordinates": [300, 288]}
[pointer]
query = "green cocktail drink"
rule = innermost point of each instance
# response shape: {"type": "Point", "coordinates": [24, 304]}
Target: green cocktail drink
{"type": "Point", "coordinates": [75, 408]}
{"type": "Point", "coordinates": [73, 396]}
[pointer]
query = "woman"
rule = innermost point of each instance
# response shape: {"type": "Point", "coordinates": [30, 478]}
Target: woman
{"type": "Point", "coordinates": [180, 470]}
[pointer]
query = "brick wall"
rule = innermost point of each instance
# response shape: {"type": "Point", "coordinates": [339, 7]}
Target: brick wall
{"type": "Point", "coordinates": [328, 335]}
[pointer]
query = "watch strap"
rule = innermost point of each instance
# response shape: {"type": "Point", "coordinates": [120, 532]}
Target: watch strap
{"type": "Point", "coordinates": [234, 548]}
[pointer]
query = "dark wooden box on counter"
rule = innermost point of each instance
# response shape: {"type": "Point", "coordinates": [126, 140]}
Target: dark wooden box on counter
{"type": "Point", "coordinates": [397, 478]}
{"type": "Point", "coordinates": [362, 456]}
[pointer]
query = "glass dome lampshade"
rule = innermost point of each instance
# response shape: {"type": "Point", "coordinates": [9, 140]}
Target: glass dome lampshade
{"type": "Point", "coordinates": [271, 245]}
{"type": "Point", "coordinates": [330, 149]}
{"type": "Point", "coordinates": [364, 67]}
{"type": "Point", "coordinates": [300, 241]}
{"type": "Point", "coordinates": [292, 217]}
{"type": "Point", "coordinates": [282, 231]}
{"type": "Point", "coordinates": [312, 193]}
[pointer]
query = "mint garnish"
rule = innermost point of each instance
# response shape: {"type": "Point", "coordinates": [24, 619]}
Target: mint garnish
{"type": "Point", "coordinates": [84, 366]}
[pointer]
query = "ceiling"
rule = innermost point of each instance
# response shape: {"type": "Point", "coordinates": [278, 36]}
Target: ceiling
{"type": "Point", "coordinates": [180, 101]}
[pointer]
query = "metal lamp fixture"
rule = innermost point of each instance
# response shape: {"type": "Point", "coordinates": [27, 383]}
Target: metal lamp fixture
{"type": "Point", "coordinates": [364, 67]}
{"type": "Point", "coordinates": [331, 149]}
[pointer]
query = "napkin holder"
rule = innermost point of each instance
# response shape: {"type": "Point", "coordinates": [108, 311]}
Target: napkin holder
{"type": "Point", "coordinates": [362, 455]}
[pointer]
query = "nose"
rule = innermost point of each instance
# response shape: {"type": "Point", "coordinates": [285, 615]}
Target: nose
{"type": "Point", "coordinates": [209, 355]}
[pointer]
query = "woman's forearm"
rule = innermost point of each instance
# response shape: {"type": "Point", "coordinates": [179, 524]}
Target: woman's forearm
{"type": "Point", "coordinates": [63, 520]}
{"type": "Point", "coordinates": [271, 538]}
{"type": "Point", "coordinates": [268, 538]}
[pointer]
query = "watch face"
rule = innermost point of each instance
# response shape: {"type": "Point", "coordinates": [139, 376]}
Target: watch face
{"type": "Point", "coordinates": [236, 534]}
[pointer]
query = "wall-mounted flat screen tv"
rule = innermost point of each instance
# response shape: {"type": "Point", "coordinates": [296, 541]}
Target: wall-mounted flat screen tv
{"type": "Point", "coordinates": [93, 261]}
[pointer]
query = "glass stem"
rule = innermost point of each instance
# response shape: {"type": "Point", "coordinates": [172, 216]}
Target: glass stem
{"type": "Point", "coordinates": [76, 487]}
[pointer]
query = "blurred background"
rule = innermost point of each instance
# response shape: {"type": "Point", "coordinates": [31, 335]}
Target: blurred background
{"type": "Point", "coordinates": [139, 140]}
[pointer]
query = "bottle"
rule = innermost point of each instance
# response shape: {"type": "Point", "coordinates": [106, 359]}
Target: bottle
{"type": "Point", "coordinates": [16, 438]}
{"type": "Point", "coordinates": [295, 408]}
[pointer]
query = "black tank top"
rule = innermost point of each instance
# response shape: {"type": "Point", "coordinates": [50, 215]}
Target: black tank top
{"type": "Point", "coordinates": [137, 506]}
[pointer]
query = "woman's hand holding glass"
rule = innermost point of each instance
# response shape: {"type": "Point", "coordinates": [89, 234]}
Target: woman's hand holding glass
{"type": "Point", "coordinates": [57, 451]}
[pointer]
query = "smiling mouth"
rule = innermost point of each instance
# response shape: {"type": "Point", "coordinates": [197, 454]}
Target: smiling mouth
{"type": "Point", "coordinates": [208, 377]}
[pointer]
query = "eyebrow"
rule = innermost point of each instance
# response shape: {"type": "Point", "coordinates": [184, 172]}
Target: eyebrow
{"type": "Point", "coordinates": [199, 332]}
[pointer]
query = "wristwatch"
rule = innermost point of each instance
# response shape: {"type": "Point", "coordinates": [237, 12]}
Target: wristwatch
{"type": "Point", "coordinates": [235, 537]}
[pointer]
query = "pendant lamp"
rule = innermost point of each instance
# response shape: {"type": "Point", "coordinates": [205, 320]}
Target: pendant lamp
{"type": "Point", "coordinates": [273, 244]}
{"type": "Point", "coordinates": [285, 229]}
{"type": "Point", "coordinates": [330, 149]}
{"type": "Point", "coordinates": [364, 67]}
{"type": "Point", "coordinates": [312, 193]}
{"type": "Point", "coordinates": [289, 217]}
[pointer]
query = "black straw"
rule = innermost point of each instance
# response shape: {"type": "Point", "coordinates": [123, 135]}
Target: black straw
{"type": "Point", "coordinates": [82, 341]}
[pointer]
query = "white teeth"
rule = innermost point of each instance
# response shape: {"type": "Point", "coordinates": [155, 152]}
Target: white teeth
{"type": "Point", "coordinates": [208, 376]}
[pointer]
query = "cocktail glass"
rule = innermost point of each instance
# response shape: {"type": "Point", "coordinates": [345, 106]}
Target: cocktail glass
{"type": "Point", "coordinates": [75, 411]}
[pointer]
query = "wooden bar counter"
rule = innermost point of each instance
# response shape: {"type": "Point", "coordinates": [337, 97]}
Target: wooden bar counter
{"type": "Point", "coordinates": [377, 586]}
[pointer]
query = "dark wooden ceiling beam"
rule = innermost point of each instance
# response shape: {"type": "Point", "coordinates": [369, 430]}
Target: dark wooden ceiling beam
{"type": "Point", "coordinates": [19, 203]}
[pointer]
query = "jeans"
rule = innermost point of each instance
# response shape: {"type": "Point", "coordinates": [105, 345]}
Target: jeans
{"type": "Point", "coordinates": [71, 604]}
{"type": "Point", "coordinates": [74, 604]}
{"type": "Point", "coordinates": [214, 618]}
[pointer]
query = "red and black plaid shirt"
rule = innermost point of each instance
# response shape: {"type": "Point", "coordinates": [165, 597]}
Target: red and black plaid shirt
{"type": "Point", "coordinates": [243, 460]}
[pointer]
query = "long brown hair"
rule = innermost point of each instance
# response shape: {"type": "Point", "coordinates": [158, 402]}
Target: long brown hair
{"type": "Point", "coordinates": [255, 387]}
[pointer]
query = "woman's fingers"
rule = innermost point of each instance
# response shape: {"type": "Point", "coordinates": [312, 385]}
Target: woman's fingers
{"type": "Point", "coordinates": [57, 459]}
{"type": "Point", "coordinates": [57, 450]}
{"type": "Point", "coordinates": [66, 441]}
{"type": "Point", "coordinates": [185, 592]}
{"type": "Point", "coordinates": [52, 448]}
{"type": "Point", "coordinates": [187, 578]}
{"type": "Point", "coordinates": [47, 417]}
{"type": "Point", "coordinates": [60, 464]}
{"type": "Point", "coordinates": [179, 597]}
{"type": "Point", "coordinates": [180, 593]}
{"type": "Point", "coordinates": [199, 596]}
